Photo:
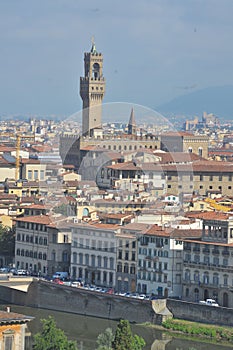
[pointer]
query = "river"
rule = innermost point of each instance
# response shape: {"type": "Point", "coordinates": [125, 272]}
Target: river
{"type": "Point", "coordinates": [85, 330]}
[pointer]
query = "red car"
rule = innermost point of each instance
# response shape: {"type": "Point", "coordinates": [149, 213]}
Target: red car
{"type": "Point", "coordinates": [58, 281]}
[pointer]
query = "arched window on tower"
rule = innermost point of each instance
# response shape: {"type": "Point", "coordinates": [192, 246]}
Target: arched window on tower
{"type": "Point", "coordinates": [96, 71]}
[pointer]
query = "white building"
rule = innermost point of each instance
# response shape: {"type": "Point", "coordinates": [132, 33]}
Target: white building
{"type": "Point", "coordinates": [93, 253]}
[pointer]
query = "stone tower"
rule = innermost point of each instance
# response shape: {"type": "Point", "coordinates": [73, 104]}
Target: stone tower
{"type": "Point", "coordinates": [92, 89]}
{"type": "Point", "coordinates": [132, 127]}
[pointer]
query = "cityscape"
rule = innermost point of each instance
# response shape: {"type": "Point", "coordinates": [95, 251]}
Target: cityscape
{"type": "Point", "coordinates": [124, 211]}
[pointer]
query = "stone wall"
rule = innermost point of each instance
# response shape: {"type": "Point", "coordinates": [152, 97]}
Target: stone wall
{"type": "Point", "coordinates": [47, 295]}
{"type": "Point", "coordinates": [200, 313]}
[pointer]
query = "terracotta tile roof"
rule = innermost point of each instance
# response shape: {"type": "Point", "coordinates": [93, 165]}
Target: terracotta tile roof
{"type": "Point", "coordinates": [135, 226]}
{"type": "Point", "coordinates": [209, 215]}
{"type": "Point", "coordinates": [13, 317]}
{"type": "Point", "coordinates": [210, 243]}
{"type": "Point", "coordinates": [124, 166]}
{"type": "Point", "coordinates": [38, 219]}
{"type": "Point", "coordinates": [30, 161]}
{"type": "Point", "coordinates": [68, 166]}
{"type": "Point", "coordinates": [115, 216]}
{"type": "Point", "coordinates": [177, 157]}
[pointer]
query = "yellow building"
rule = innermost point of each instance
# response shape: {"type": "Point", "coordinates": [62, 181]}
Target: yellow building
{"type": "Point", "coordinates": [12, 330]}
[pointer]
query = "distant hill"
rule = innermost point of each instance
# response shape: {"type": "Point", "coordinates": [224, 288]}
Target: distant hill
{"type": "Point", "coordinates": [217, 100]}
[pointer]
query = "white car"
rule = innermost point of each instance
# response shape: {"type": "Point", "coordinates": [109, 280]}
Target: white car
{"type": "Point", "coordinates": [209, 302]}
{"type": "Point", "coordinates": [142, 296]}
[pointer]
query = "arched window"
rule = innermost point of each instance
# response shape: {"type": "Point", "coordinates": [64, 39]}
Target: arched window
{"type": "Point", "coordinates": [105, 262]}
{"type": "Point", "coordinates": [96, 71]}
{"type": "Point", "coordinates": [22, 252]}
{"type": "Point", "coordinates": [206, 278]}
{"type": "Point", "coordinates": [53, 255]}
{"type": "Point", "coordinates": [35, 255]}
{"type": "Point", "coordinates": [18, 252]}
{"type": "Point", "coordinates": [40, 240]}
{"type": "Point", "coordinates": [215, 279]}
{"type": "Point", "coordinates": [27, 238]}
{"type": "Point", "coordinates": [18, 237]}
{"type": "Point", "coordinates": [31, 254]}
{"type": "Point", "coordinates": [190, 150]}
{"type": "Point", "coordinates": [45, 241]}
{"type": "Point", "coordinates": [26, 253]}
{"type": "Point", "coordinates": [151, 175]}
{"type": "Point", "coordinates": [187, 275]}
{"type": "Point", "coordinates": [80, 258]}
{"type": "Point", "coordinates": [44, 256]}
{"type": "Point", "coordinates": [132, 269]}
{"type": "Point", "coordinates": [40, 256]}
{"type": "Point", "coordinates": [74, 258]}
{"type": "Point", "coordinates": [126, 268]}
{"type": "Point", "coordinates": [196, 276]}
{"type": "Point", "coordinates": [119, 267]}
{"type": "Point", "coordinates": [65, 256]}
{"type": "Point", "coordinates": [200, 151]}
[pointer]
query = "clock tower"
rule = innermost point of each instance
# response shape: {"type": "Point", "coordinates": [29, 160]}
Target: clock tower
{"type": "Point", "coordinates": [92, 89]}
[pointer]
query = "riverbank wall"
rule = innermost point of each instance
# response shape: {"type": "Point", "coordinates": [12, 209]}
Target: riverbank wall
{"type": "Point", "coordinates": [200, 313]}
{"type": "Point", "coordinates": [47, 295]}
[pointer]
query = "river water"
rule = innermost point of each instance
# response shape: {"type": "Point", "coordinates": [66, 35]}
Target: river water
{"type": "Point", "coordinates": [85, 330]}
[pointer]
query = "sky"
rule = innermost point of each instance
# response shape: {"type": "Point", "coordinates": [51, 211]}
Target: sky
{"type": "Point", "coordinates": [154, 50]}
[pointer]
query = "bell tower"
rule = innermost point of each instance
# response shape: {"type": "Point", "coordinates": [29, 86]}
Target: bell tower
{"type": "Point", "coordinates": [92, 89]}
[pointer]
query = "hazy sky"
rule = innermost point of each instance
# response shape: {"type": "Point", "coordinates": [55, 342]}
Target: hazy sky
{"type": "Point", "coordinates": [153, 50]}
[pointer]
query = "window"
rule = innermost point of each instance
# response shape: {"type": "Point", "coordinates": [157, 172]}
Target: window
{"type": "Point", "coordinates": [35, 174]}
{"type": "Point", "coordinates": [111, 263]}
{"type": "Point", "coordinates": [29, 174]}
{"type": "Point", "coordinates": [215, 279]}
{"type": "Point", "coordinates": [225, 280]}
{"type": "Point", "coordinates": [8, 342]}
{"type": "Point", "coordinates": [211, 178]}
{"type": "Point", "coordinates": [41, 175]}
{"type": "Point", "coordinates": [220, 178]}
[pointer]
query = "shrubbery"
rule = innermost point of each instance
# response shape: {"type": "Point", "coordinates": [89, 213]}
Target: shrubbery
{"type": "Point", "coordinates": [192, 328]}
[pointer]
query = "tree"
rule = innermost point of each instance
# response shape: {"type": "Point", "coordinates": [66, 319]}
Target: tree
{"type": "Point", "coordinates": [52, 338]}
{"type": "Point", "coordinates": [139, 342]}
{"type": "Point", "coordinates": [124, 339]}
{"type": "Point", "coordinates": [105, 340]}
{"type": "Point", "coordinates": [7, 244]}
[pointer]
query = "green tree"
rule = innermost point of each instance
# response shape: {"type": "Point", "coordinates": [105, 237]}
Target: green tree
{"type": "Point", "coordinates": [52, 338]}
{"type": "Point", "coordinates": [138, 342]}
{"type": "Point", "coordinates": [124, 339]}
{"type": "Point", "coordinates": [7, 243]}
{"type": "Point", "coordinates": [105, 339]}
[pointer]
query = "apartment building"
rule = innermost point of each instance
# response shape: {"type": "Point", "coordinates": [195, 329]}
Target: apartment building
{"type": "Point", "coordinates": [31, 244]}
{"type": "Point", "coordinates": [93, 253]}
{"type": "Point", "coordinates": [43, 244]}
{"type": "Point", "coordinates": [208, 262]}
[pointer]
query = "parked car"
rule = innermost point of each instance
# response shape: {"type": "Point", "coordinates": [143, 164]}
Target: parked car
{"type": "Point", "coordinates": [21, 272]}
{"type": "Point", "coordinates": [58, 281]}
{"type": "Point", "coordinates": [209, 302]}
{"type": "Point", "coordinates": [142, 296]}
{"type": "Point", "coordinates": [61, 275]}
